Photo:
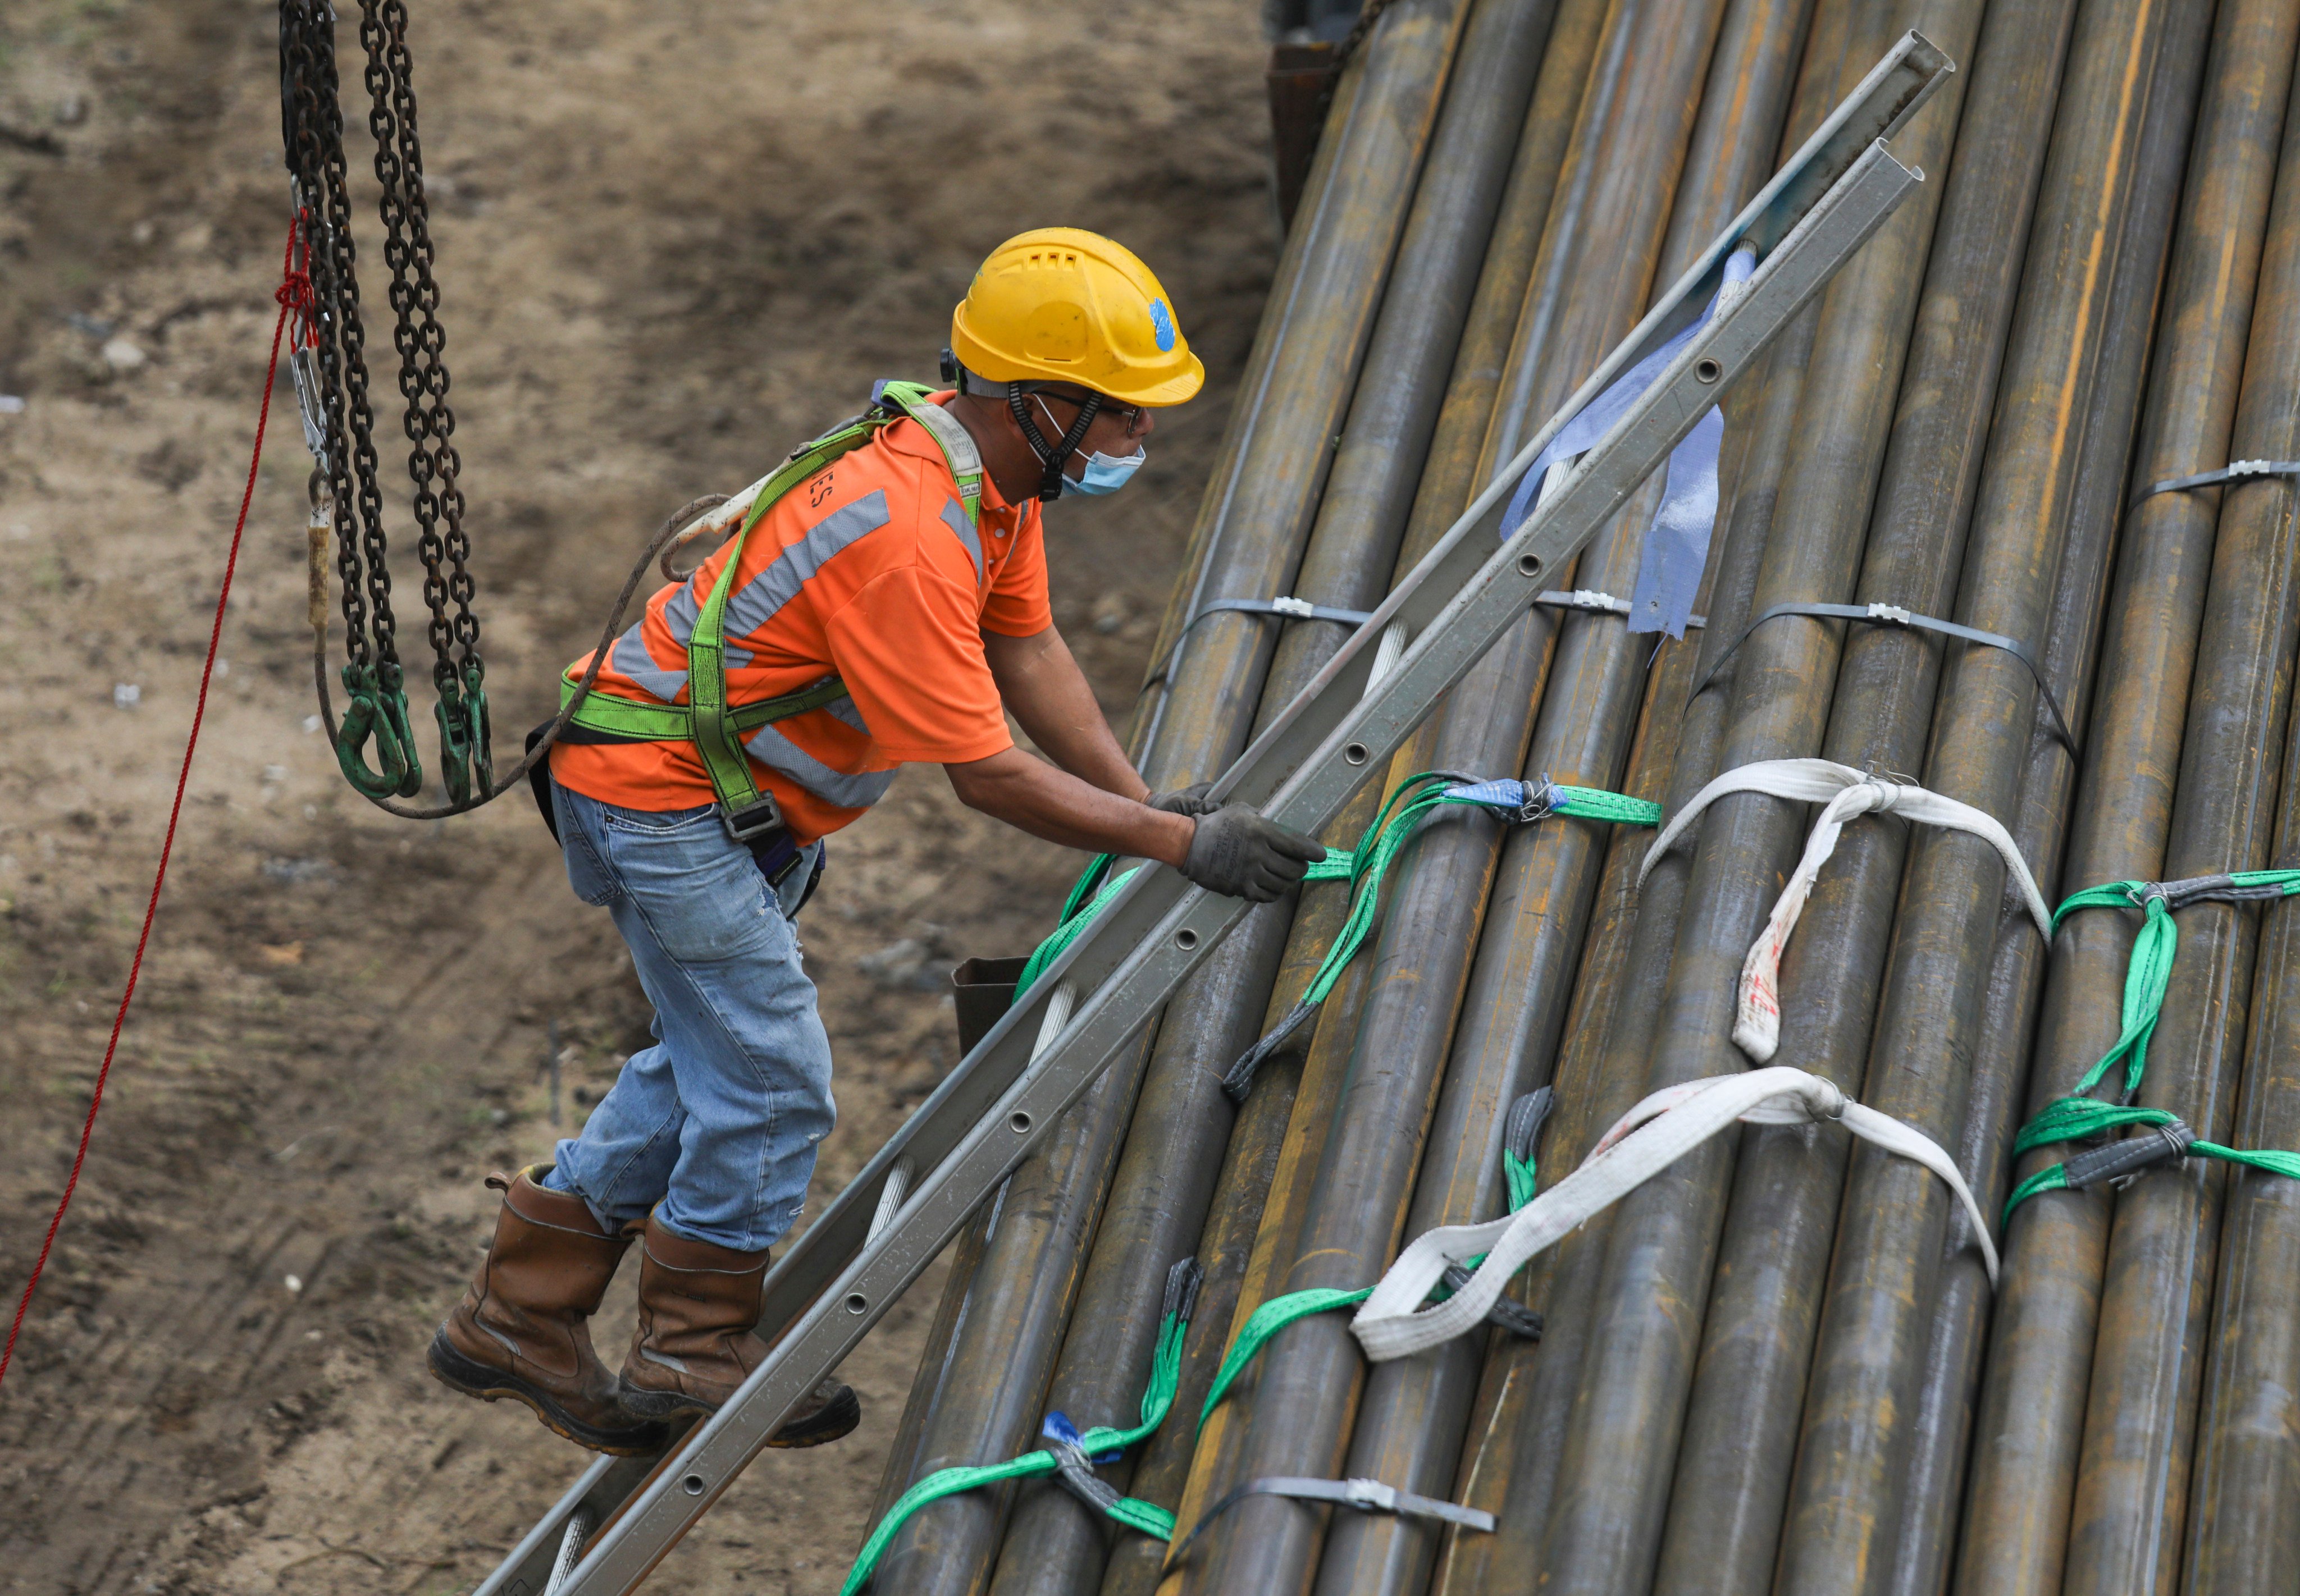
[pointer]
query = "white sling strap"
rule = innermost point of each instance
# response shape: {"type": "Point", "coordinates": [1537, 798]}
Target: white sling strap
{"type": "Point", "coordinates": [1392, 1322]}
{"type": "Point", "coordinates": [1849, 793]}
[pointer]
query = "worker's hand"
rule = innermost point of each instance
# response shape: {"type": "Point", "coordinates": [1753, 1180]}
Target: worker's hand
{"type": "Point", "coordinates": [1238, 853]}
{"type": "Point", "coordinates": [1188, 800]}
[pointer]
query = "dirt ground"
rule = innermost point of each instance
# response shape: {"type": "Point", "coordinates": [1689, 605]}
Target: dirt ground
{"type": "Point", "coordinates": [675, 238]}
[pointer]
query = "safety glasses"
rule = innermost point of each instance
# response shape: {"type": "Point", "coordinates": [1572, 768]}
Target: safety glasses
{"type": "Point", "coordinates": [1135, 416]}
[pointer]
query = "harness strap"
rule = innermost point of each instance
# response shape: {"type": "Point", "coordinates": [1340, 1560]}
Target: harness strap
{"type": "Point", "coordinates": [2165, 1140]}
{"type": "Point", "coordinates": [715, 727]}
{"type": "Point", "coordinates": [1074, 1451]}
{"type": "Point", "coordinates": [2148, 976]}
{"type": "Point", "coordinates": [1510, 800]}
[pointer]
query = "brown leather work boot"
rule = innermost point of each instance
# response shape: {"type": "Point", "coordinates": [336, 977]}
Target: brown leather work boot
{"type": "Point", "coordinates": [698, 1304]}
{"type": "Point", "coordinates": [522, 1330]}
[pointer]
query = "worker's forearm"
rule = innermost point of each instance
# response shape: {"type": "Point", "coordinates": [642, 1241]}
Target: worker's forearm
{"type": "Point", "coordinates": [1050, 697]}
{"type": "Point", "coordinates": [1033, 796]}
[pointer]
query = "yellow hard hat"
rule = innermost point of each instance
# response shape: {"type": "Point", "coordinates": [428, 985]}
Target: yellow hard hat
{"type": "Point", "coordinates": [1067, 305]}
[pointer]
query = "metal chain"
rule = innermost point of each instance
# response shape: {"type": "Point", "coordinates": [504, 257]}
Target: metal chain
{"type": "Point", "coordinates": [388, 94]}
{"type": "Point", "coordinates": [432, 340]}
{"type": "Point", "coordinates": [318, 172]}
{"type": "Point", "coordinates": [340, 304]}
{"type": "Point", "coordinates": [333, 385]}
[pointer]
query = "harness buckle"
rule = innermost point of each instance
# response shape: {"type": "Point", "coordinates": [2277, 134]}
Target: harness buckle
{"type": "Point", "coordinates": [753, 822]}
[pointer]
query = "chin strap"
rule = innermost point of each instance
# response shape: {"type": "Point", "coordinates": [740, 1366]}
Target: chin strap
{"type": "Point", "coordinates": [1050, 483]}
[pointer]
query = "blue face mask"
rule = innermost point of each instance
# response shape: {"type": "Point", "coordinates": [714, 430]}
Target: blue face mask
{"type": "Point", "coordinates": [1104, 475]}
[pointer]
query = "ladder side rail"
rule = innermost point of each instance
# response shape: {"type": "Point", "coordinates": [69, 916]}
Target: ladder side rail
{"type": "Point", "coordinates": [1894, 90]}
{"type": "Point", "coordinates": [1466, 596]}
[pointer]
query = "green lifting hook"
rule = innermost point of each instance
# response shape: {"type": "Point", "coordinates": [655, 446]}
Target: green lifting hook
{"type": "Point", "coordinates": [377, 708]}
{"type": "Point", "coordinates": [464, 746]}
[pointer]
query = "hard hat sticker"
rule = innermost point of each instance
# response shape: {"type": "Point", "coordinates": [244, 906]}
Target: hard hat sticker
{"type": "Point", "coordinates": [1163, 324]}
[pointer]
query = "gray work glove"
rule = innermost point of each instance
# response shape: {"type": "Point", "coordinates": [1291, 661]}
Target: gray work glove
{"type": "Point", "coordinates": [1238, 853]}
{"type": "Point", "coordinates": [1188, 800]}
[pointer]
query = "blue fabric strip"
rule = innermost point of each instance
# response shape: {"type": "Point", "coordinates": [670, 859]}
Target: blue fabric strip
{"type": "Point", "coordinates": [1677, 545]}
{"type": "Point", "coordinates": [1506, 794]}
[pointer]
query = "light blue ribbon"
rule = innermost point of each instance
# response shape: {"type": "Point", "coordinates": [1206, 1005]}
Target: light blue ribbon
{"type": "Point", "coordinates": [1677, 545]}
{"type": "Point", "coordinates": [1506, 794]}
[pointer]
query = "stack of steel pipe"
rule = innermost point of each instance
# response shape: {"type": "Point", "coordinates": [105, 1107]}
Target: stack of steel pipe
{"type": "Point", "coordinates": [1782, 1362]}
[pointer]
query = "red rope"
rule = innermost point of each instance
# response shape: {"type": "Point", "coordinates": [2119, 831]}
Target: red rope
{"type": "Point", "coordinates": [295, 292]}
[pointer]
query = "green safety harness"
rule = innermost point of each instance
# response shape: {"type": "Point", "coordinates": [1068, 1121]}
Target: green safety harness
{"type": "Point", "coordinates": [2079, 1117]}
{"type": "Point", "coordinates": [1364, 867]}
{"type": "Point", "coordinates": [706, 720]}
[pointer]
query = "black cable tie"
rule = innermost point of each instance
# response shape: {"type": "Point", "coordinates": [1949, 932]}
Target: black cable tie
{"type": "Point", "coordinates": [1182, 1282]}
{"type": "Point", "coordinates": [2206, 889]}
{"type": "Point", "coordinates": [1894, 615]}
{"type": "Point", "coordinates": [1580, 598]}
{"type": "Point", "coordinates": [2121, 1160]}
{"type": "Point", "coordinates": [1074, 1471]}
{"type": "Point", "coordinates": [1507, 1313]}
{"type": "Point", "coordinates": [1526, 1116]}
{"type": "Point", "coordinates": [1292, 609]}
{"type": "Point", "coordinates": [1367, 1496]}
{"type": "Point", "coordinates": [2236, 470]}
{"type": "Point", "coordinates": [1240, 1080]}
{"type": "Point", "coordinates": [1601, 603]}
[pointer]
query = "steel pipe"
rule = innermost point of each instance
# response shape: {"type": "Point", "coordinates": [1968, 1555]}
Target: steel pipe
{"type": "Point", "coordinates": [2069, 399]}
{"type": "Point", "coordinates": [2246, 1501]}
{"type": "Point", "coordinates": [1238, 1224]}
{"type": "Point", "coordinates": [1408, 1431]}
{"type": "Point", "coordinates": [1723, 1525]}
{"type": "Point", "coordinates": [1614, 1468]}
{"type": "Point", "coordinates": [999, 1373]}
{"type": "Point", "coordinates": [2024, 1438]}
{"type": "Point", "coordinates": [1526, 1394]}
{"type": "Point", "coordinates": [1182, 1126]}
{"type": "Point", "coordinates": [2131, 1494]}
{"type": "Point", "coordinates": [1299, 1412]}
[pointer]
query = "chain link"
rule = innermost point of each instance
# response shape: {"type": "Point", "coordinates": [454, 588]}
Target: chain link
{"type": "Point", "coordinates": [334, 381]}
{"type": "Point", "coordinates": [316, 158]}
{"type": "Point", "coordinates": [432, 339]}
{"type": "Point", "coordinates": [382, 31]}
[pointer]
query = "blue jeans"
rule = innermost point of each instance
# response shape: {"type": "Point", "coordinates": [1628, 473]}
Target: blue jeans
{"type": "Point", "coordinates": [715, 1127]}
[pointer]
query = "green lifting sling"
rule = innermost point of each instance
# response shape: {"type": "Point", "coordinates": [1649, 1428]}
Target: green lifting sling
{"type": "Point", "coordinates": [706, 720]}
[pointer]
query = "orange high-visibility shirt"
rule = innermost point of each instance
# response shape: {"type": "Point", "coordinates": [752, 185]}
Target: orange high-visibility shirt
{"type": "Point", "coordinates": [867, 571]}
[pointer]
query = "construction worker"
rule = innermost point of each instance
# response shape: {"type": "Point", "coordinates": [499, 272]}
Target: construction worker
{"type": "Point", "coordinates": [890, 608]}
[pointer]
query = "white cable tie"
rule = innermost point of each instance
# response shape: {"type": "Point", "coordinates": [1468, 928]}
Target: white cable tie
{"type": "Point", "coordinates": [1847, 794]}
{"type": "Point", "coordinates": [1392, 1322]}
